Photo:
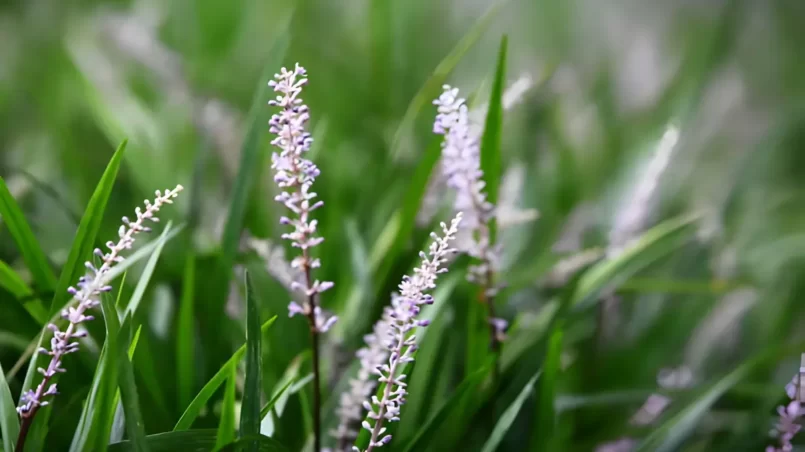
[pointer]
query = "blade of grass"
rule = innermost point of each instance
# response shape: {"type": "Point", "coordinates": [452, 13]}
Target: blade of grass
{"type": "Point", "coordinates": [491, 160]}
{"type": "Point", "coordinates": [14, 284]}
{"type": "Point", "coordinates": [194, 409]}
{"type": "Point", "coordinates": [507, 419]}
{"type": "Point", "coordinates": [187, 440]}
{"type": "Point", "coordinates": [9, 420]}
{"type": "Point", "coordinates": [35, 259]}
{"type": "Point", "coordinates": [433, 84]}
{"type": "Point", "coordinates": [651, 246]}
{"type": "Point", "coordinates": [226, 426]}
{"type": "Point", "coordinates": [544, 436]}
{"type": "Point", "coordinates": [250, 406]}
{"type": "Point", "coordinates": [135, 426]}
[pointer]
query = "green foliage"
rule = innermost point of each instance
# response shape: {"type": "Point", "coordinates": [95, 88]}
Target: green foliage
{"type": "Point", "coordinates": [709, 276]}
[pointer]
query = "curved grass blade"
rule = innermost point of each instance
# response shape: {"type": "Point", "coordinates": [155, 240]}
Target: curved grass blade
{"type": "Point", "coordinates": [491, 161]}
{"type": "Point", "coordinates": [261, 442]}
{"type": "Point", "coordinates": [135, 426]}
{"type": "Point", "coordinates": [290, 384]}
{"type": "Point", "coordinates": [87, 232]}
{"type": "Point", "coordinates": [433, 84]}
{"type": "Point", "coordinates": [193, 410]}
{"type": "Point", "coordinates": [226, 426]}
{"type": "Point", "coordinates": [14, 284]}
{"type": "Point", "coordinates": [188, 440]}
{"type": "Point", "coordinates": [9, 421]}
{"type": "Point", "coordinates": [35, 259]}
{"type": "Point", "coordinates": [250, 406]}
{"type": "Point", "coordinates": [507, 419]}
{"type": "Point", "coordinates": [651, 246]}
{"type": "Point", "coordinates": [544, 434]}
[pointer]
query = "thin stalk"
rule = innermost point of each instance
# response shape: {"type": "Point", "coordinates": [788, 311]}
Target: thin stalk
{"type": "Point", "coordinates": [314, 347]}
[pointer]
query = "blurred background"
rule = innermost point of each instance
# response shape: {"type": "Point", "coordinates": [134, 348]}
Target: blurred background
{"type": "Point", "coordinates": [619, 115]}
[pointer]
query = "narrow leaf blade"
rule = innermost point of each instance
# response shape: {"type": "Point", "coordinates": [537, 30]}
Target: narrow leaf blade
{"type": "Point", "coordinates": [250, 407]}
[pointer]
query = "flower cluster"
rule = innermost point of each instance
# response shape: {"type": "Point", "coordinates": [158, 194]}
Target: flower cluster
{"type": "Point", "coordinates": [399, 340]}
{"type": "Point", "coordinates": [371, 357]}
{"type": "Point", "coordinates": [788, 423]}
{"type": "Point", "coordinates": [295, 176]}
{"type": "Point", "coordinates": [87, 296]}
{"type": "Point", "coordinates": [461, 166]}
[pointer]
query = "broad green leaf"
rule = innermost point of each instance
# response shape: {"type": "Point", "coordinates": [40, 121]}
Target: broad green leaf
{"type": "Point", "coordinates": [433, 84]}
{"type": "Point", "coordinates": [148, 272]}
{"type": "Point", "coordinates": [186, 440]}
{"type": "Point", "coordinates": [194, 409]}
{"type": "Point", "coordinates": [676, 428]}
{"type": "Point", "coordinates": [250, 406]}
{"type": "Point", "coordinates": [135, 426]}
{"type": "Point", "coordinates": [35, 259]}
{"type": "Point", "coordinates": [14, 284]}
{"type": "Point", "coordinates": [491, 160]}
{"type": "Point", "coordinates": [544, 435]}
{"type": "Point", "coordinates": [651, 246]}
{"type": "Point", "coordinates": [186, 332]}
{"type": "Point", "coordinates": [226, 426]}
{"type": "Point", "coordinates": [507, 418]}
{"type": "Point", "coordinates": [261, 443]}
{"type": "Point", "coordinates": [9, 420]}
{"type": "Point", "coordinates": [459, 407]}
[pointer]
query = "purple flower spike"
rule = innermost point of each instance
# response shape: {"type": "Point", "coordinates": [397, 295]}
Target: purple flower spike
{"type": "Point", "coordinates": [295, 174]}
{"type": "Point", "coordinates": [86, 296]}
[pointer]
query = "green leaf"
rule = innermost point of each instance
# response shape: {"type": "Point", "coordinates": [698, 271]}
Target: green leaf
{"type": "Point", "coordinates": [507, 419]}
{"type": "Point", "coordinates": [35, 259]}
{"type": "Point", "coordinates": [491, 161]}
{"type": "Point", "coordinates": [87, 233]}
{"type": "Point", "coordinates": [148, 272]}
{"type": "Point", "coordinates": [135, 425]}
{"type": "Point", "coordinates": [676, 428]}
{"type": "Point", "coordinates": [262, 443]}
{"type": "Point", "coordinates": [655, 243]}
{"type": "Point", "coordinates": [544, 436]}
{"type": "Point", "coordinates": [187, 440]}
{"type": "Point", "coordinates": [195, 407]}
{"type": "Point", "coordinates": [459, 406]}
{"type": "Point", "coordinates": [250, 406]}
{"type": "Point", "coordinates": [290, 383]}
{"type": "Point", "coordinates": [9, 420]}
{"type": "Point", "coordinates": [226, 426]}
{"type": "Point", "coordinates": [14, 284]}
{"type": "Point", "coordinates": [280, 392]}
{"type": "Point", "coordinates": [433, 84]}
{"type": "Point", "coordinates": [186, 332]}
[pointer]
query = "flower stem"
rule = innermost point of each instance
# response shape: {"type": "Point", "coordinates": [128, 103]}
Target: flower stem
{"type": "Point", "coordinates": [314, 347]}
